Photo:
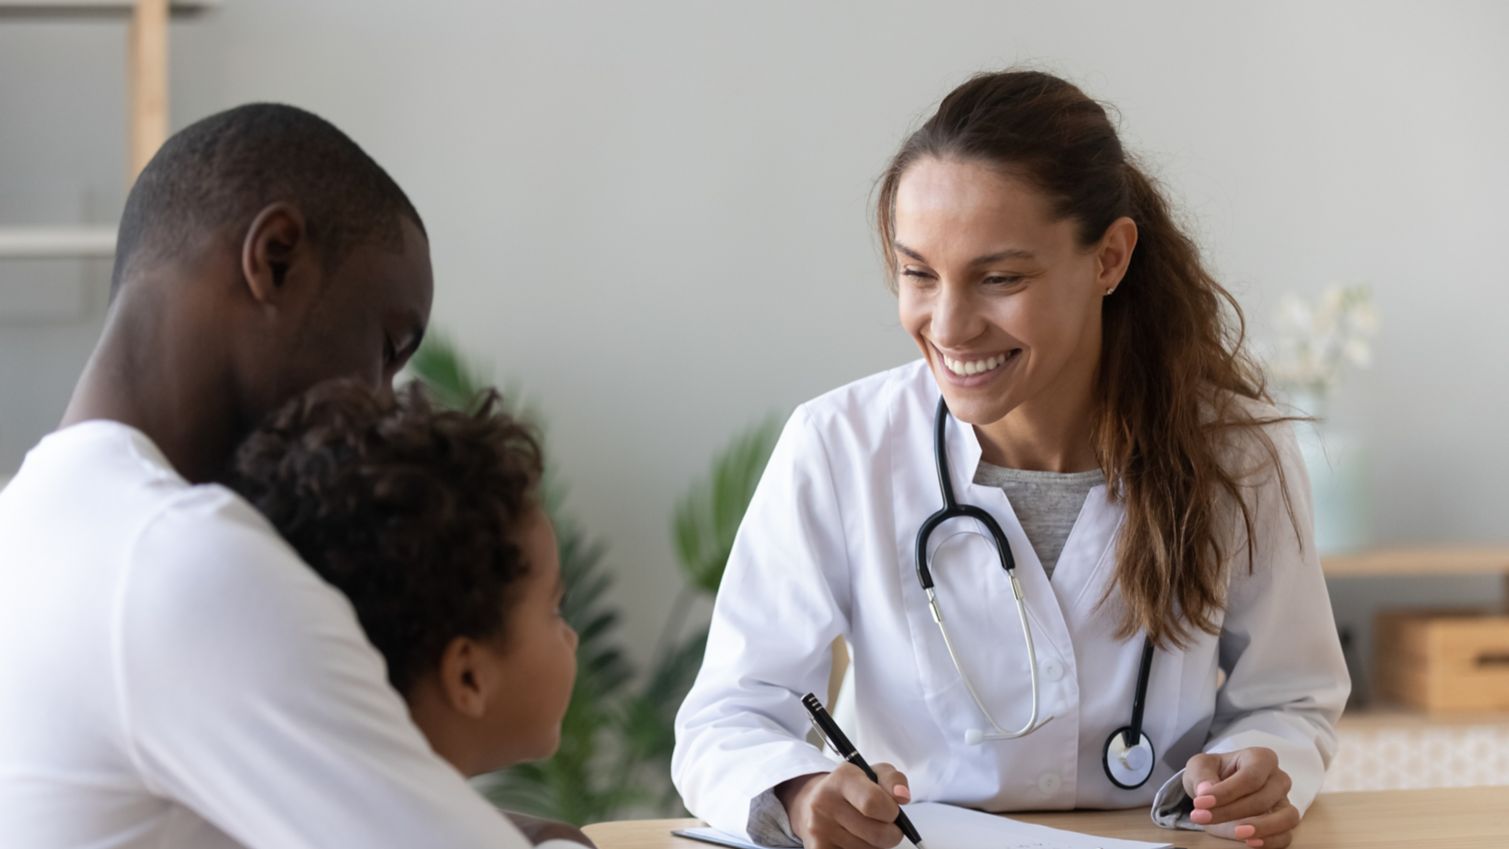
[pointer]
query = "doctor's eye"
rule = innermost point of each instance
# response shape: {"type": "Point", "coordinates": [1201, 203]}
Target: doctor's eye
{"type": "Point", "coordinates": [917, 276]}
{"type": "Point", "coordinates": [1003, 280]}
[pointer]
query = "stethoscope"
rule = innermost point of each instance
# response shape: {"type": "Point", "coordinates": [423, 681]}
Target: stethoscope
{"type": "Point", "coordinates": [1129, 755]}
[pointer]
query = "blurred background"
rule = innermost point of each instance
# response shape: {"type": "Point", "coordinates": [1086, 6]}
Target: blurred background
{"type": "Point", "coordinates": [650, 221]}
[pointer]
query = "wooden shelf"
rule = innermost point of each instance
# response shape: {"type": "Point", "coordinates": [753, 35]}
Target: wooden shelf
{"type": "Point", "coordinates": [56, 242]}
{"type": "Point", "coordinates": [146, 110]}
{"type": "Point", "coordinates": [1450, 560]}
{"type": "Point", "coordinates": [65, 7]}
{"type": "Point", "coordinates": [1375, 717]}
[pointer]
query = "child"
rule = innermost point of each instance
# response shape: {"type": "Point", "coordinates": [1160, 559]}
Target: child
{"type": "Point", "coordinates": [429, 521]}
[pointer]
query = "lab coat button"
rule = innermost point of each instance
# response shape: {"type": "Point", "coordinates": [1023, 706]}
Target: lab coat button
{"type": "Point", "coordinates": [1048, 783]}
{"type": "Point", "coordinates": [1052, 669]}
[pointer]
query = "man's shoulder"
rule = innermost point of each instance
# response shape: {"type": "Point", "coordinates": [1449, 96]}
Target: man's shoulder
{"type": "Point", "coordinates": [207, 534]}
{"type": "Point", "coordinates": [98, 497]}
{"type": "Point", "coordinates": [209, 577]}
{"type": "Point", "coordinates": [206, 514]}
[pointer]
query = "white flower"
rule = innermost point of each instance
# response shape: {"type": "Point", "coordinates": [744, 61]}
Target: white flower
{"type": "Point", "coordinates": [1316, 340]}
{"type": "Point", "coordinates": [1332, 301]}
{"type": "Point", "coordinates": [1365, 318]}
{"type": "Point", "coordinates": [1358, 353]}
{"type": "Point", "coordinates": [1294, 313]}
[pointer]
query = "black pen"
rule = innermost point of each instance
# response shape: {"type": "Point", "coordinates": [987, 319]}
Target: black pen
{"type": "Point", "coordinates": [835, 737]}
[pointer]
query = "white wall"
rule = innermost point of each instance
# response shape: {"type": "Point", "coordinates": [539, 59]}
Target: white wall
{"type": "Point", "coordinates": [653, 215]}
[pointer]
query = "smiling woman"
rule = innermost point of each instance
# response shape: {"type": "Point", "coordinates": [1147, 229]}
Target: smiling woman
{"type": "Point", "coordinates": [1084, 390]}
{"type": "Point", "coordinates": [1135, 386]}
{"type": "Point", "coordinates": [1001, 325]}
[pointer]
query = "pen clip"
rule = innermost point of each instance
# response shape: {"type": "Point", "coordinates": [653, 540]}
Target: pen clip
{"type": "Point", "coordinates": [827, 745]}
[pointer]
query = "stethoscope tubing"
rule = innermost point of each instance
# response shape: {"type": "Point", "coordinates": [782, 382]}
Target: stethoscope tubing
{"type": "Point", "coordinates": [1131, 735]}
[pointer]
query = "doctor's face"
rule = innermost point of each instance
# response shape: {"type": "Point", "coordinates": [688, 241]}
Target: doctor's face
{"type": "Point", "coordinates": [1000, 296]}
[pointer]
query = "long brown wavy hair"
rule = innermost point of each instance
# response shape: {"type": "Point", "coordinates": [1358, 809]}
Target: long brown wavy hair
{"type": "Point", "coordinates": [1173, 371]}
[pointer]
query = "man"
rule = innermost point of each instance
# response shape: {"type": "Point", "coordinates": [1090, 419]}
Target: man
{"type": "Point", "coordinates": [171, 675]}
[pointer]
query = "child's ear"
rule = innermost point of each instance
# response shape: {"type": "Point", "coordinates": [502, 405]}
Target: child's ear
{"type": "Point", "coordinates": [465, 678]}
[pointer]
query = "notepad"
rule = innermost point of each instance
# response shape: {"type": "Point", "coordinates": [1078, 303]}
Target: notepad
{"type": "Point", "coordinates": [952, 827]}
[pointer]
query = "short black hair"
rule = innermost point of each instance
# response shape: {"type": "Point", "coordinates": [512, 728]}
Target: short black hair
{"type": "Point", "coordinates": [222, 170]}
{"type": "Point", "coordinates": [412, 511]}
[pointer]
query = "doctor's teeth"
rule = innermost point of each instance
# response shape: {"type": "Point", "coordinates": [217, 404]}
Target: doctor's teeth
{"type": "Point", "coordinates": [965, 369]}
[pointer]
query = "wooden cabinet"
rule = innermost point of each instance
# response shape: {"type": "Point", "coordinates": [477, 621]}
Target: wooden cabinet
{"type": "Point", "coordinates": [1393, 743]}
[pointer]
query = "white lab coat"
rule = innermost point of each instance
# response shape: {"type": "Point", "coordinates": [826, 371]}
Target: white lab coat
{"type": "Point", "coordinates": [826, 550]}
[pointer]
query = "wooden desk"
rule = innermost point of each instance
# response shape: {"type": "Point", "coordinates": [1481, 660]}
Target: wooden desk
{"type": "Point", "coordinates": [1465, 818]}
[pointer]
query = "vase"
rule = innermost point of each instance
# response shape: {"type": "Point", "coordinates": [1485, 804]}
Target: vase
{"type": "Point", "coordinates": [1336, 462]}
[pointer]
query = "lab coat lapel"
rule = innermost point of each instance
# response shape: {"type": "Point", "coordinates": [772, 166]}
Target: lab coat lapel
{"type": "Point", "coordinates": [1086, 564]}
{"type": "Point", "coordinates": [1042, 603]}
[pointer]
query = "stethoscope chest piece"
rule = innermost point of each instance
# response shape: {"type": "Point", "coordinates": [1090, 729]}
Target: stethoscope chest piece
{"type": "Point", "coordinates": [1128, 766]}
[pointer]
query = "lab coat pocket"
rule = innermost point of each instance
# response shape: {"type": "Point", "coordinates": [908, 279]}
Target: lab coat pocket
{"type": "Point", "coordinates": [978, 608]}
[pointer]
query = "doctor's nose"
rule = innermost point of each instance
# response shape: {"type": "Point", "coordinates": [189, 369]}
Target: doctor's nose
{"type": "Point", "coordinates": [955, 320]}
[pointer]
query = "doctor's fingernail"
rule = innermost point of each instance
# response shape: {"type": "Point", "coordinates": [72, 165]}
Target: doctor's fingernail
{"type": "Point", "coordinates": [1201, 817]}
{"type": "Point", "coordinates": [1205, 801]}
{"type": "Point", "coordinates": [1203, 788]}
{"type": "Point", "coordinates": [1245, 831]}
{"type": "Point", "coordinates": [902, 791]}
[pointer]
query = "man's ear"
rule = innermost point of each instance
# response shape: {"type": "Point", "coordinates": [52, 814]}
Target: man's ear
{"type": "Point", "coordinates": [276, 254]}
{"type": "Point", "coordinates": [464, 678]}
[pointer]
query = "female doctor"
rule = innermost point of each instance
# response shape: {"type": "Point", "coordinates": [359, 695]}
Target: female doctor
{"type": "Point", "coordinates": [1153, 627]}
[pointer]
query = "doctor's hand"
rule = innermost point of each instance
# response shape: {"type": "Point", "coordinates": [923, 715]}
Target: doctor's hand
{"type": "Point", "coordinates": [1242, 795]}
{"type": "Point", "coordinates": [844, 809]}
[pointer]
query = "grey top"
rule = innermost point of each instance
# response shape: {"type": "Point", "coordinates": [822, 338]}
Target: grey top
{"type": "Point", "coordinates": [768, 823]}
{"type": "Point", "coordinates": [1046, 503]}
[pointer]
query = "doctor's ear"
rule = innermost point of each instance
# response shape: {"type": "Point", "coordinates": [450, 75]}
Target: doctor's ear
{"type": "Point", "coordinates": [276, 254]}
{"type": "Point", "coordinates": [1113, 253]}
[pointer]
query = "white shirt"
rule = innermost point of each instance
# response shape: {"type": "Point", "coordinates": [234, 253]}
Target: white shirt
{"type": "Point", "coordinates": [826, 550]}
{"type": "Point", "coordinates": [172, 675]}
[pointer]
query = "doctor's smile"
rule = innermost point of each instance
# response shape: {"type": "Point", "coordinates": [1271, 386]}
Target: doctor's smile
{"type": "Point", "coordinates": [975, 370]}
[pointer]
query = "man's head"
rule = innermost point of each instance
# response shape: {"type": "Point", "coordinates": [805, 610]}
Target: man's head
{"type": "Point", "coordinates": [269, 238]}
{"type": "Point", "coordinates": [429, 521]}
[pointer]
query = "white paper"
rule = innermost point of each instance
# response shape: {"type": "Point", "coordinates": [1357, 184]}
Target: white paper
{"type": "Point", "coordinates": [950, 827]}
{"type": "Point", "coordinates": [712, 835]}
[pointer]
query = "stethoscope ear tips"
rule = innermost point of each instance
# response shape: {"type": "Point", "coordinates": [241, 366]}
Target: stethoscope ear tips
{"type": "Point", "coordinates": [974, 737]}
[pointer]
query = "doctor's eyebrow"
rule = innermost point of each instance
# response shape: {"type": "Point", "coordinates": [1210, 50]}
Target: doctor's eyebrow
{"type": "Point", "coordinates": [986, 259]}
